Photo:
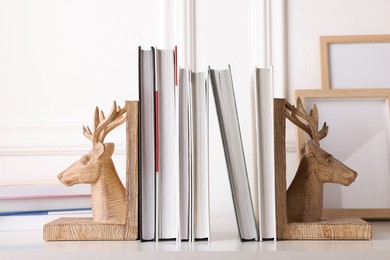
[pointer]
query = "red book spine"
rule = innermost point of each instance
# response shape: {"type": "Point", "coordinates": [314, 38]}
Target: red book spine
{"type": "Point", "coordinates": [176, 74]}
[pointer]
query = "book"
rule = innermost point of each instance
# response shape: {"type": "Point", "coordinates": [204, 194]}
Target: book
{"type": "Point", "coordinates": [147, 154]}
{"type": "Point", "coordinates": [265, 153]}
{"type": "Point", "coordinates": [194, 155]}
{"type": "Point", "coordinates": [37, 220]}
{"type": "Point", "coordinates": [223, 89]}
{"type": "Point", "coordinates": [167, 171]}
{"type": "Point", "coordinates": [30, 198]}
{"type": "Point", "coordinates": [185, 179]}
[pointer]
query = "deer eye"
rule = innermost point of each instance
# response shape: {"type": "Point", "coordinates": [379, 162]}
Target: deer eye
{"type": "Point", "coordinates": [84, 160]}
{"type": "Point", "coordinates": [330, 159]}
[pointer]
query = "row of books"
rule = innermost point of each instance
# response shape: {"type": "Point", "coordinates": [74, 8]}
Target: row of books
{"type": "Point", "coordinates": [255, 222]}
{"type": "Point", "coordinates": [174, 199]}
{"type": "Point", "coordinates": [174, 150]}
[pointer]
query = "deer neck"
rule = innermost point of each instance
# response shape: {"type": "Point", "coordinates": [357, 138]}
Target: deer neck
{"type": "Point", "coordinates": [305, 194]}
{"type": "Point", "coordinates": [109, 204]}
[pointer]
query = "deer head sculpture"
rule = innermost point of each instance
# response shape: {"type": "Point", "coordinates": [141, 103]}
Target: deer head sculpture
{"type": "Point", "coordinates": [305, 194]}
{"type": "Point", "coordinates": [109, 204]}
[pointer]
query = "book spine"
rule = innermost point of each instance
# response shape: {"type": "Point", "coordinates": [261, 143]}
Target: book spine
{"type": "Point", "coordinates": [147, 176]}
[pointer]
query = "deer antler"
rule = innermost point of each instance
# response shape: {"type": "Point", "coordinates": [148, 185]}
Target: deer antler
{"type": "Point", "coordinates": [103, 125]}
{"type": "Point", "coordinates": [297, 114]}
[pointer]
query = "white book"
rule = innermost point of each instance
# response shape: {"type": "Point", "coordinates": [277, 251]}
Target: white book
{"type": "Point", "coordinates": [265, 153]}
{"type": "Point", "coordinates": [184, 154]}
{"type": "Point", "coordinates": [222, 84]}
{"type": "Point", "coordinates": [194, 154]}
{"type": "Point", "coordinates": [167, 175]}
{"type": "Point", "coordinates": [147, 169]}
{"type": "Point", "coordinates": [200, 155]}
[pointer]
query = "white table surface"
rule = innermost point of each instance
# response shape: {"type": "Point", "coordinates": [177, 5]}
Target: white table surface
{"type": "Point", "coordinates": [224, 244]}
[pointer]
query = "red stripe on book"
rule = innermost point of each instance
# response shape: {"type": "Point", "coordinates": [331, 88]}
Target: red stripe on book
{"type": "Point", "coordinates": [176, 74]}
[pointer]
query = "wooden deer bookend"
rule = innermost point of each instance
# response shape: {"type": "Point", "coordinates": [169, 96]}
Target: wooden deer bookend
{"type": "Point", "coordinates": [305, 194]}
{"type": "Point", "coordinates": [96, 167]}
{"type": "Point", "coordinates": [299, 208]}
{"type": "Point", "coordinates": [114, 207]}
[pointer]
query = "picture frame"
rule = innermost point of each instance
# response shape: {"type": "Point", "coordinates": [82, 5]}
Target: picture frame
{"type": "Point", "coordinates": [359, 136]}
{"type": "Point", "coordinates": [359, 61]}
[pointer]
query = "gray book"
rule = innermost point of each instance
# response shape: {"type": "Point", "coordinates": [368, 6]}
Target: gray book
{"type": "Point", "coordinates": [222, 85]}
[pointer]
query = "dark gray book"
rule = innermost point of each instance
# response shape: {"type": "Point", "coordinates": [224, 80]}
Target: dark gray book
{"type": "Point", "coordinates": [225, 102]}
{"type": "Point", "coordinates": [147, 159]}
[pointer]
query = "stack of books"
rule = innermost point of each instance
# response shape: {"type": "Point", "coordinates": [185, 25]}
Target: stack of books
{"type": "Point", "coordinates": [43, 199]}
{"type": "Point", "coordinates": [22, 206]}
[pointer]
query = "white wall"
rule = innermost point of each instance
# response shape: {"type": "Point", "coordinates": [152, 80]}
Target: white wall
{"type": "Point", "coordinates": [222, 38]}
{"type": "Point", "coordinates": [59, 59]}
{"type": "Point", "coordinates": [308, 20]}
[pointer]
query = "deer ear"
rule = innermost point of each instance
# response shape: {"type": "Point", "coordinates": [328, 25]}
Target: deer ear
{"type": "Point", "coordinates": [109, 149]}
{"type": "Point", "coordinates": [310, 149]}
{"type": "Point", "coordinates": [99, 148]}
{"type": "Point", "coordinates": [104, 150]}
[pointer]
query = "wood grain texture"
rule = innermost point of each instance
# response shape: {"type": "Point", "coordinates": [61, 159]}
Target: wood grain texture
{"type": "Point", "coordinates": [329, 228]}
{"type": "Point", "coordinates": [366, 214]}
{"type": "Point", "coordinates": [132, 146]}
{"type": "Point", "coordinates": [96, 167]}
{"type": "Point", "coordinates": [324, 56]}
{"type": "Point", "coordinates": [305, 194]}
{"type": "Point", "coordinates": [105, 224]}
{"type": "Point", "coordinates": [280, 166]}
{"type": "Point", "coordinates": [342, 93]}
{"type": "Point", "coordinates": [72, 229]}
{"type": "Point", "coordinates": [326, 228]}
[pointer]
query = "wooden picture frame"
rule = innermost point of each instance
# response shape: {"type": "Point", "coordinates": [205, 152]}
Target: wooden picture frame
{"type": "Point", "coordinates": [365, 139]}
{"type": "Point", "coordinates": [359, 61]}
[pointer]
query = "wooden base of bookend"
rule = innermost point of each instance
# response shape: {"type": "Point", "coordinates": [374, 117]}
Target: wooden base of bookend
{"type": "Point", "coordinates": [327, 228]}
{"type": "Point", "coordinates": [348, 228]}
{"type": "Point", "coordinates": [85, 228]}
{"type": "Point", "coordinates": [68, 229]}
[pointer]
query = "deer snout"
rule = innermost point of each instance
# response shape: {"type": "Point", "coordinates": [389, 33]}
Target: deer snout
{"type": "Point", "coordinates": [66, 181]}
{"type": "Point", "coordinates": [351, 178]}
